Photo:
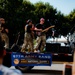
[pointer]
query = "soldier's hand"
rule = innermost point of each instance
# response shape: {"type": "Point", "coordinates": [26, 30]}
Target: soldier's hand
{"type": "Point", "coordinates": [7, 30]}
{"type": "Point", "coordinates": [40, 30]}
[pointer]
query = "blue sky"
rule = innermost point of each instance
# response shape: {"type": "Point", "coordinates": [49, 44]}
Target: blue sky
{"type": "Point", "coordinates": [65, 6]}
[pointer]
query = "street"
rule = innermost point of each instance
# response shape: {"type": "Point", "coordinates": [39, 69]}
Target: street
{"type": "Point", "coordinates": [54, 69]}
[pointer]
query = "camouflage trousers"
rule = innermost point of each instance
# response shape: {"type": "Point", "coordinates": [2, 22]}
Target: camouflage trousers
{"type": "Point", "coordinates": [40, 41]}
{"type": "Point", "coordinates": [5, 38]}
{"type": "Point", "coordinates": [28, 43]}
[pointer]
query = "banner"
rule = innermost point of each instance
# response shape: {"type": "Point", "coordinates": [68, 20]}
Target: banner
{"type": "Point", "coordinates": [31, 59]}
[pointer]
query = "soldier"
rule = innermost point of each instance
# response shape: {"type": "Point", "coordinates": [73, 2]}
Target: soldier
{"type": "Point", "coordinates": [3, 32]}
{"type": "Point", "coordinates": [41, 37]}
{"type": "Point", "coordinates": [28, 37]}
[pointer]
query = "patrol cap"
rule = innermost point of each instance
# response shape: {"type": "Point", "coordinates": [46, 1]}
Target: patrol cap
{"type": "Point", "coordinates": [29, 20]}
{"type": "Point", "coordinates": [42, 19]}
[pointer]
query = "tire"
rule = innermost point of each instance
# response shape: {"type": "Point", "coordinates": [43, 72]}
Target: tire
{"type": "Point", "coordinates": [24, 69]}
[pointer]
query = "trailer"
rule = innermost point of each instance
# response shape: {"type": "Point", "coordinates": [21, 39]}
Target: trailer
{"type": "Point", "coordinates": [62, 51]}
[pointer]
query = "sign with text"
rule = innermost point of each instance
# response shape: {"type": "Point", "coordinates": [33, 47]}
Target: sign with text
{"type": "Point", "coordinates": [31, 59]}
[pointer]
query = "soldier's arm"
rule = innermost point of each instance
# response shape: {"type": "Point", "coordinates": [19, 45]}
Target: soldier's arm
{"type": "Point", "coordinates": [7, 30]}
{"type": "Point", "coordinates": [36, 29]}
{"type": "Point", "coordinates": [33, 27]}
{"type": "Point", "coordinates": [25, 28]}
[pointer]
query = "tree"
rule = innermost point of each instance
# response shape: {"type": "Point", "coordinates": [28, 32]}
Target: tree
{"type": "Point", "coordinates": [17, 12]}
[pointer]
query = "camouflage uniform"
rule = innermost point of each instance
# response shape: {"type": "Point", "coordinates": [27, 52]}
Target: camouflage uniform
{"type": "Point", "coordinates": [40, 41]}
{"type": "Point", "coordinates": [5, 39]}
{"type": "Point", "coordinates": [41, 38]}
{"type": "Point", "coordinates": [28, 40]}
{"type": "Point", "coordinates": [3, 34]}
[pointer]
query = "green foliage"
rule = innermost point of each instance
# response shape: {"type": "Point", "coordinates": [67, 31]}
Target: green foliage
{"type": "Point", "coordinates": [17, 12]}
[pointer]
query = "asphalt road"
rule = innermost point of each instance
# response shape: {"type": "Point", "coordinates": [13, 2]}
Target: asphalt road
{"type": "Point", "coordinates": [46, 70]}
{"type": "Point", "coordinates": [54, 69]}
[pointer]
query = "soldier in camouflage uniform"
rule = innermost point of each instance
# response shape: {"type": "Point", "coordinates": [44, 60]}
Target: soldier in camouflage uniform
{"type": "Point", "coordinates": [28, 37]}
{"type": "Point", "coordinates": [41, 37]}
{"type": "Point", "coordinates": [4, 32]}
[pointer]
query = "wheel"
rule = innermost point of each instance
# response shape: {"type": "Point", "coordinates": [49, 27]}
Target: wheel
{"type": "Point", "coordinates": [23, 69]}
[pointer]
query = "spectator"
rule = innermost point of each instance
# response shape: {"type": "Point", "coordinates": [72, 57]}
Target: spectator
{"type": "Point", "coordinates": [3, 69]}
